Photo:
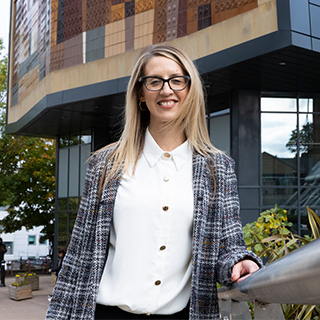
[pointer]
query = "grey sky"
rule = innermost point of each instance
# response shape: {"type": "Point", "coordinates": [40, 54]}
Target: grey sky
{"type": "Point", "coordinates": [4, 22]}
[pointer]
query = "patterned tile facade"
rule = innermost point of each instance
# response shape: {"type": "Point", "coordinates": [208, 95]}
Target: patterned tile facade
{"type": "Point", "coordinates": [51, 35]}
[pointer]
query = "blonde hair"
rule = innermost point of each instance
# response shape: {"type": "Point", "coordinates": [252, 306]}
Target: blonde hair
{"type": "Point", "coordinates": [191, 118]}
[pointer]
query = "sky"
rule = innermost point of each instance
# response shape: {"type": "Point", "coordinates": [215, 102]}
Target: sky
{"type": "Point", "coordinates": [4, 23]}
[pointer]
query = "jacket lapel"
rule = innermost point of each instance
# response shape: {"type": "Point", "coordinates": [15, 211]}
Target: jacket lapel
{"type": "Point", "coordinates": [201, 197]}
{"type": "Point", "coordinates": [102, 230]}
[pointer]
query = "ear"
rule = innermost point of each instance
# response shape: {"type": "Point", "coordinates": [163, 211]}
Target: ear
{"type": "Point", "coordinates": [141, 96]}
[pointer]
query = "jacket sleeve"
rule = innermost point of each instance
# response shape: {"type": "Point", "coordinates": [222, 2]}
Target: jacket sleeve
{"type": "Point", "coordinates": [232, 247]}
{"type": "Point", "coordinates": [68, 285]}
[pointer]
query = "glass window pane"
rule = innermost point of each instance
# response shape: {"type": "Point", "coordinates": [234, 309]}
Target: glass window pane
{"type": "Point", "coordinates": [306, 105]}
{"type": "Point", "coordinates": [220, 132]}
{"type": "Point", "coordinates": [73, 141]}
{"type": "Point", "coordinates": [309, 149]}
{"type": "Point", "coordinates": [85, 154]}
{"type": "Point", "coordinates": [32, 239]}
{"type": "Point", "coordinates": [283, 197]}
{"type": "Point", "coordinates": [85, 139]}
{"type": "Point", "coordinates": [306, 138]}
{"type": "Point", "coordinates": [310, 197]}
{"type": "Point", "coordinates": [62, 234]}
{"type": "Point", "coordinates": [63, 204]}
{"type": "Point", "coordinates": [63, 173]}
{"type": "Point", "coordinates": [9, 245]}
{"type": "Point", "coordinates": [63, 142]}
{"type": "Point", "coordinates": [279, 163]}
{"type": "Point", "coordinates": [74, 172]}
{"type": "Point", "coordinates": [279, 104]}
{"type": "Point", "coordinates": [73, 204]}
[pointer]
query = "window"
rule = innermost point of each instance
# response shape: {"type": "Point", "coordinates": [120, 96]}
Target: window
{"type": "Point", "coordinates": [218, 121]}
{"type": "Point", "coordinates": [290, 143]}
{"type": "Point", "coordinates": [9, 246]}
{"type": "Point", "coordinates": [32, 240]}
{"type": "Point", "coordinates": [220, 130]}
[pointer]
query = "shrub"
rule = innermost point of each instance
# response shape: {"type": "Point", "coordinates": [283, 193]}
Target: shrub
{"type": "Point", "coordinates": [270, 238]}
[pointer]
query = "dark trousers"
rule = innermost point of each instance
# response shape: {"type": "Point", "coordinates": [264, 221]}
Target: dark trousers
{"type": "Point", "coordinates": [109, 312]}
{"type": "Point", "coordinates": [3, 273]}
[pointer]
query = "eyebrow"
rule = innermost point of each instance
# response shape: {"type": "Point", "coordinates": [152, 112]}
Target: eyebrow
{"type": "Point", "coordinates": [172, 75]}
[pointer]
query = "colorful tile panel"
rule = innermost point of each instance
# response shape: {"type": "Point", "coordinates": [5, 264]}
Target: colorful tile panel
{"type": "Point", "coordinates": [51, 35]}
{"type": "Point", "coordinates": [226, 9]}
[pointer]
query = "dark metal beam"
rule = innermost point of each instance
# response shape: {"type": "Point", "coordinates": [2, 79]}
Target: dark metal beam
{"type": "Point", "coordinates": [294, 279]}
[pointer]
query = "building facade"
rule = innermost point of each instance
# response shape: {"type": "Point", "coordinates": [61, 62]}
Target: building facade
{"type": "Point", "coordinates": [23, 244]}
{"type": "Point", "coordinates": [70, 62]}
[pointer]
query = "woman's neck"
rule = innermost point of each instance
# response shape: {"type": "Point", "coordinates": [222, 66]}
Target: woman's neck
{"type": "Point", "coordinates": [168, 138]}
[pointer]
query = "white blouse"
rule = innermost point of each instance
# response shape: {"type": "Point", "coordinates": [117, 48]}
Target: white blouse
{"type": "Point", "coordinates": [148, 269]}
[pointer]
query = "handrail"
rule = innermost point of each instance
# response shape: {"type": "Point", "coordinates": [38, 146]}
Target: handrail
{"type": "Point", "coordinates": [294, 279]}
{"type": "Point", "coordinates": [27, 265]}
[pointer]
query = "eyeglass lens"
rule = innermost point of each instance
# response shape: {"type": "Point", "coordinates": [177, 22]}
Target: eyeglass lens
{"type": "Point", "coordinates": [176, 83]}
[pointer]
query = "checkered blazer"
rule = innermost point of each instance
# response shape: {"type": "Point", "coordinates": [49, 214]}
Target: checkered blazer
{"type": "Point", "coordinates": [217, 240]}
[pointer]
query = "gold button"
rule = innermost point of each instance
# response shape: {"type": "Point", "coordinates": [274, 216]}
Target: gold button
{"type": "Point", "coordinates": [162, 248]}
{"type": "Point", "coordinates": [166, 179]}
{"type": "Point", "coordinates": [165, 208]}
{"type": "Point", "coordinates": [167, 155]}
{"type": "Point", "coordinates": [157, 283]}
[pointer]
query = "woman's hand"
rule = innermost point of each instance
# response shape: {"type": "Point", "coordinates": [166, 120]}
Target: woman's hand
{"type": "Point", "coordinates": [243, 269]}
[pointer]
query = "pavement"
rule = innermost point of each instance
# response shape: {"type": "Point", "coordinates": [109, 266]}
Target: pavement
{"type": "Point", "coordinates": [29, 309]}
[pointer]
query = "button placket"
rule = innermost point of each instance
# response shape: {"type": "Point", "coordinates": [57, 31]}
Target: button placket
{"type": "Point", "coordinates": [166, 167]}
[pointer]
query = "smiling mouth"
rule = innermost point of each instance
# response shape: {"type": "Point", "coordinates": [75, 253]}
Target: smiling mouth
{"type": "Point", "coordinates": [166, 103]}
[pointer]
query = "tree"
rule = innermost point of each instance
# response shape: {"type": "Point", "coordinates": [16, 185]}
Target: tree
{"type": "Point", "coordinates": [305, 139]}
{"type": "Point", "coordinates": [3, 75]}
{"type": "Point", "coordinates": [27, 175]}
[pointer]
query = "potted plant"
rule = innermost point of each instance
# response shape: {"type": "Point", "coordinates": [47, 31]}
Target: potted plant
{"type": "Point", "coordinates": [20, 290]}
{"type": "Point", "coordinates": [30, 278]}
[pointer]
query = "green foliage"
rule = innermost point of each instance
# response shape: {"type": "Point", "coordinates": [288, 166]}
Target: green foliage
{"type": "Point", "coordinates": [3, 74]}
{"type": "Point", "coordinates": [27, 175]}
{"type": "Point", "coordinates": [270, 238]}
{"type": "Point", "coordinates": [314, 221]}
{"type": "Point", "coordinates": [305, 139]}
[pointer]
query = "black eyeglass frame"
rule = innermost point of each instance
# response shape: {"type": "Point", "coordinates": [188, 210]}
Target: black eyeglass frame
{"type": "Point", "coordinates": [143, 80]}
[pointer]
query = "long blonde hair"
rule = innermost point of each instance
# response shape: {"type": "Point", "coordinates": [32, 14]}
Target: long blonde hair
{"type": "Point", "coordinates": [191, 118]}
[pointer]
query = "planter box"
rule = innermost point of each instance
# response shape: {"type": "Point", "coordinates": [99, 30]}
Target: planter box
{"type": "Point", "coordinates": [33, 281]}
{"type": "Point", "coordinates": [20, 293]}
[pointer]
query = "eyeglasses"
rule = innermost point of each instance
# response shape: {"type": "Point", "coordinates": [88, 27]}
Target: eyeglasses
{"type": "Point", "coordinates": [177, 83]}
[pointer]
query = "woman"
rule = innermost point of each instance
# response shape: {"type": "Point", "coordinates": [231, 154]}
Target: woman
{"type": "Point", "coordinates": [61, 255]}
{"type": "Point", "coordinates": [158, 223]}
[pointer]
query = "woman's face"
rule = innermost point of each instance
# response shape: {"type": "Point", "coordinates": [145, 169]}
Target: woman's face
{"type": "Point", "coordinates": [164, 104]}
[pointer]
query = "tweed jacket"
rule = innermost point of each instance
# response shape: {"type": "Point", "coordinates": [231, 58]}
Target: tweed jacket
{"type": "Point", "coordinates": [217, 240]}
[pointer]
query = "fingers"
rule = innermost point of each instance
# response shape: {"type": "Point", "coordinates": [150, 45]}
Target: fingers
{"type": "Point", "coordinates": [236, 272]}
{"type": "Point", "coordinates": [243, 269]}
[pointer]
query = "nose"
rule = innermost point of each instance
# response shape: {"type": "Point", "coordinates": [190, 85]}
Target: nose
{"type": "Point", "coordinates": [166, 88]}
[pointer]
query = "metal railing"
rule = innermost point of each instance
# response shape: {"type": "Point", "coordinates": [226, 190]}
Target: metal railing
{"type": "Point", "coordinates": [293, 279]}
